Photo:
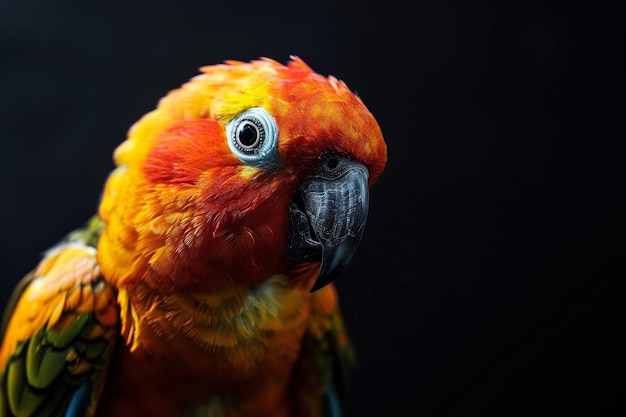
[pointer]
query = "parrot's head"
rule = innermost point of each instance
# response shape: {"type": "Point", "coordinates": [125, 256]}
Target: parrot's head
{"type": "Point", "coordinates": [247, 171]}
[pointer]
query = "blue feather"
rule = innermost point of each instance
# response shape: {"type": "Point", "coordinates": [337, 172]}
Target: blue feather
{"type": "Point", "coordinates": [79, 402]}
{"type": "Point", "coordinates": [332, 401]}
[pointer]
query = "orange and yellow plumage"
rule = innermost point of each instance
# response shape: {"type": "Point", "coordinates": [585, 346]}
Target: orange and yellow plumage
{"type": "Point", "coordinates": [199, 287]}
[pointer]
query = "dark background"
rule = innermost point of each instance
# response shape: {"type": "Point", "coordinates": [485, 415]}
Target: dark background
{"type": "Point", "coordinates": [490, 280]}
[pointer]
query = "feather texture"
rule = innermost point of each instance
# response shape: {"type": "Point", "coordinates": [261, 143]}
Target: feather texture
{"type": "Point", "coordinates": [189, 292]}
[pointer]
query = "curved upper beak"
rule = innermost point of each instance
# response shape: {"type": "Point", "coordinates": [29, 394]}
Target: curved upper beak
{"type": "Point", "coordinates": [328, 215]}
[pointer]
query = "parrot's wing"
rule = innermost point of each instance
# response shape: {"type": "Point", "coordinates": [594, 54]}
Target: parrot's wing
{"type": "Point", "coordinates": [57, 332]}
{"type": "Point", "coordinates": [341, 357]}
{"type": "Point", "coordinates": [328, 353]}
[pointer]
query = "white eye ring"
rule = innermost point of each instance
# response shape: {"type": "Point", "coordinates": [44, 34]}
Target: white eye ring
{"type": "Point", "coordinates": [253, 137]}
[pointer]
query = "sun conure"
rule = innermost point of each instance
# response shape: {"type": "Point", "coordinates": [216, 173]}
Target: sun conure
{"type": "Point", "coordinates": [203, 284]}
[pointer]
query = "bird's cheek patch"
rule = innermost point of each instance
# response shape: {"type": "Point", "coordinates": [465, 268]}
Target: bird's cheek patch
{"type": "Point", "coordinates": [186, 150]}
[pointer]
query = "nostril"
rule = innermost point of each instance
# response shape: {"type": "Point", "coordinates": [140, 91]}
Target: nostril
{"type": "Point", "coordinates": [333, 166]}
{"type": "Point", "coordinates": [332, 162]}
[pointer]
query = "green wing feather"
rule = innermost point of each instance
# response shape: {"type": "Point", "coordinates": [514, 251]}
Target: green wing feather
{"type": "Point", "coordinates": [326, 363]}
{"type": "Point", "coordinates": [337, 357]}
{"type": "Point", "coordinates": [58, 329]}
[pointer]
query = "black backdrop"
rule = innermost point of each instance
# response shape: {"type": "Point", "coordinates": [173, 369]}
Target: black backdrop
{"type": "Point", "coordinates": [490, 278]}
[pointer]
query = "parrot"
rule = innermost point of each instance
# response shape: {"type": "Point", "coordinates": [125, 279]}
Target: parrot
{"type": "Point", "coordinates": [204, 282]}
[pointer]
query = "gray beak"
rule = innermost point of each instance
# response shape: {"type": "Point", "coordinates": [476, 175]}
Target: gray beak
{"type": "Point", "coordinates": [328, 215]}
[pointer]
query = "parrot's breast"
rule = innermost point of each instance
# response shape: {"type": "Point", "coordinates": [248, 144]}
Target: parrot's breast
{"type": "Point", "coordinates": [226, 333]}
{"type": "Point", "coordinates": [209, 346]}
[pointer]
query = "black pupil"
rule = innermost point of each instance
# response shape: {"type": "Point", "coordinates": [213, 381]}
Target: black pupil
{"type": "Point", "coordinates": [248, 134]}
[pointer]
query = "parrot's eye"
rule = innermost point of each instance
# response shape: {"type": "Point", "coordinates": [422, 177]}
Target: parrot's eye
{"type": "Point", "coordinates": [252, 137]}
{"type": "Point", "coordinates": [249, 135]}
